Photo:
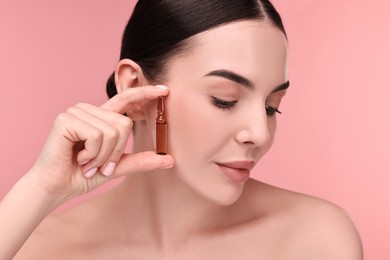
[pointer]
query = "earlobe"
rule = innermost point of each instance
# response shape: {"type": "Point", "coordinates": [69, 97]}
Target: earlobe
{"type": "Point", "coordinates": [128, 74]}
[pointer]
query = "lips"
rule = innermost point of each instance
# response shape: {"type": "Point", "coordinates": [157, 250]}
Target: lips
{"type": "Point", "coordinates": [237, 171]}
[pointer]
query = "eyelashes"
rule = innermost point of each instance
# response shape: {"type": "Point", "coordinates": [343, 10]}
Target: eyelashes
{"type": "Point", "coordinates": [272, 110]}
{"type": "Point", "coordinates": [223, 104]}
{"type": "Point", "coordinates": [228, 105]}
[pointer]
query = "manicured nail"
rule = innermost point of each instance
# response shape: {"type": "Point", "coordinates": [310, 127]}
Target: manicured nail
{"type": "Point", "coordinates": [168, 163]}
{"type": "Point", "coordinates": [162, 87]}
{"type": "Point", "coordinates": [109, 169]}
{"type": "Point", "coordinates": [90, 173]}
{"type": "Point", "coordinates": [168, 167]}
{"type": "Point", "coordinates": [84, 162]}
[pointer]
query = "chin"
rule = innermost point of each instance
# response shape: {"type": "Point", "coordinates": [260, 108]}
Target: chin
{"type": "Point", "coordinates": [223, 194]}
{"type": "Point", "coordinates": [225, 199]}
{"type": "Point", "coordinates": [226, 202]}
{"type": "Point", "coordinates": [213, 187]}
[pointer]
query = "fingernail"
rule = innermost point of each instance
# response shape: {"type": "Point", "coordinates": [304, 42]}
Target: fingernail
{"type": "Point", "coordinates": [168, 167]}
{"type": "Point", "coordinates": [162, 87]}
{"type": "Point", "coordinates": [166, 161]}
{"type": "Point", "coordinates": [84, 162]}
{"type": "Point", "coordinates": [109, 169]}
{"type": "Point", "coordinates": [90, 173]}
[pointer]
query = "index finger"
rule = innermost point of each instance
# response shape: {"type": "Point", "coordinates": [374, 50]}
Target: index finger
{"type": "Point", "coordinates": [124, 100]}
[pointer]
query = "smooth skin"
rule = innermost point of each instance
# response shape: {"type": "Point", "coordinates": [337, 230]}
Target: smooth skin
{"type": "Point", "coordinates": [191, 210]}
{"type": "Point", "coordinates": [57, 175]}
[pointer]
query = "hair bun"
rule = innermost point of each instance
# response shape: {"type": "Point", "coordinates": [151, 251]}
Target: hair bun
{"type": "Point", "coordinates": [110, 86]}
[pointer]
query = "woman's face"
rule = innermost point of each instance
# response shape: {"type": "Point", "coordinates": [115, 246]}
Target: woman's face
{"type": "Point", "coordinates": [219, 109]}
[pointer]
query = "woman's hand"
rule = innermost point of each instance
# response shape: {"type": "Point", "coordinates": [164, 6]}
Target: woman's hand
{"type": "Point", "coordinates": [85, 147]}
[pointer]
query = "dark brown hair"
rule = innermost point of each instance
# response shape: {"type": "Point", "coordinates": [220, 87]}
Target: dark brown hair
{"type": "Point", "coordinates": [160, 29]}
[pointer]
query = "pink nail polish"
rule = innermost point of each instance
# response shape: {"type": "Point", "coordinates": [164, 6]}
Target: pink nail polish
{"type": "Point", "coordinates": [84, 162]}
{"type": "Point", "coordinates": [168, 167]}
{"type": "Point", "coordinates": [109, 169]}
{"type": "Point", "coordinates": [90, 173]}
{"type": "Point", "coordinates": [162, 87]}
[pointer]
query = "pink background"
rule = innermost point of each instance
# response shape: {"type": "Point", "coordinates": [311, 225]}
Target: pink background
{"type": "Point", "coordinates": [332, 139]}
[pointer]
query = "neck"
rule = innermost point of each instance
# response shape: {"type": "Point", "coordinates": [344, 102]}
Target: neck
{"type": "Point", "coordinates": [160, 205]}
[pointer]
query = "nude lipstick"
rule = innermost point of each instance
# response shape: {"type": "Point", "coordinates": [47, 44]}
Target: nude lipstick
{"type": "Point", "coordinates": [237, 171]}
{"type": "Point", "coordinates": [161, 128]}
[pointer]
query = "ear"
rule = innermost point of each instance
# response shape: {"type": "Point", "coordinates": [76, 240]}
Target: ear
{"type": "Point", "coordinates": [128, 74]}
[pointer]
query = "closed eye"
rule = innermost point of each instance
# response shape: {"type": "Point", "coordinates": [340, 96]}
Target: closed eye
{"type": "Point", "coordinates": [223, 104]}
{"type": "Point", "coordinates": [272, 110]}
{"type": "Point", "coordinates": [228, 105]}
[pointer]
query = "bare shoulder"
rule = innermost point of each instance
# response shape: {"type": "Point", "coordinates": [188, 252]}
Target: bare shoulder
{"type": "Point", "coordinates": [308, 227]}
{"type": "Point", "coordinates": [57, 236]}
{"type": "Point", "coordinates": [79, 232]}
{"type": "Point", "coordinates": [45, 239]}
{"type": "Point", "coordinates": [326, 230]}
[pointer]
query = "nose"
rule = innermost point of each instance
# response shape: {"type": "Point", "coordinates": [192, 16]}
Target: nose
{"type": "Point", "coordinates": [254, 129]}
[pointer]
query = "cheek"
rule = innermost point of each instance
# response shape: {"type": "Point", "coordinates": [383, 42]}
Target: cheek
{"type": "Point", "coordinates": [272, 125]}
{"type": "Point", "coordinates": [188, 127]}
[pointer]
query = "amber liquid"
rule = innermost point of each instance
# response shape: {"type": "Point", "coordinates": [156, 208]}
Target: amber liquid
{"type": "Point", "coordinates": [161, 138]}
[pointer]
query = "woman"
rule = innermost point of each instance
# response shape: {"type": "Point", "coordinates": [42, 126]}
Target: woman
{"type": "Point", "coordinates": [224, 65]}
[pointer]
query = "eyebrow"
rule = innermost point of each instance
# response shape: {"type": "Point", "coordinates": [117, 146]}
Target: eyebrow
{"type": "Point", "coordinates": [281, 87]}
{"type": "Point", "coordinates": [230, 75]}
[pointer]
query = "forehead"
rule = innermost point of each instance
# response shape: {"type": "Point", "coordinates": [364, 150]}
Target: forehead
{"type": "Point", "coordinates": [255, 49]}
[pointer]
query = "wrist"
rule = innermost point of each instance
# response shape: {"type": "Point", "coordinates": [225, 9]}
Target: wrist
{"type": "Point", "coordinates": [31, 185]}
{"type": "Point", "coordinates": [21, 211]}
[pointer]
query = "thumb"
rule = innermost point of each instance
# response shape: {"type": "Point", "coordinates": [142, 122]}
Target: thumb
{"type": "Point", "coordinates": [142, 162]}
